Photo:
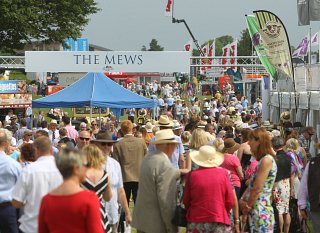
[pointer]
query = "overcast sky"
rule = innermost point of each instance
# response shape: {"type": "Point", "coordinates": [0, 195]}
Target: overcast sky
{"type": "Point", "coordinates": [127, 24]}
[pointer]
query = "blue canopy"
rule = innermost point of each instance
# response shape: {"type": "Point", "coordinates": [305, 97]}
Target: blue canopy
{"type": "Point", "coordinates": [94, 90]}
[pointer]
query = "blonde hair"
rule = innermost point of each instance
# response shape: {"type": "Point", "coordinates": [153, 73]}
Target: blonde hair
{"type": "Point", "coordinates": [199, 138]}
{"type": "Point", "coordinates": [185, 136]}
{"type": "Point", "coordinates": [94, 156]}
{"type": "Point", "coordinates": [293, 145]}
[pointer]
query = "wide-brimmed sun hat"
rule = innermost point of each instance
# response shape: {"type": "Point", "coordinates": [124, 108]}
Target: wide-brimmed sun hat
{"type": "Point", "coordinates": [176, 125]}
{"type": "Point", "coordinates": [149, 127]}
{"type": "Point", "coordinates": [207, 156]}
{"type": "Point", "coordinates": [53, 121]}
{"type": "Point", "coordinates": [164, 136]}
{"type": "Point", "coordinates": [104, 137]}
{"type": "Point", "coordinates": [267, 125]}
{"type": "Point", "coordinates": [230, 146]}
{"type": "Point", "coordinates": [285, 116]}
{"type": "Point", "coordinates": [164, 121]}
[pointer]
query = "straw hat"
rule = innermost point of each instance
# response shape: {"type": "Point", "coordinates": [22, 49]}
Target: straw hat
{"type": "Point", "coordinates": [149, 127]}
{"type": "Point", "coordinates": [53, 121]}
{"type": "Point", "coordinates": [164, 136]}
{"type": "Point", "coordinates": [176, 125]}
{"type": "Point", "coordinates": [266, 125]}
{"type": "Point", "coordinates": [230, 146]}
{"type": "Point", "coordinates": [207, 156]}
{"type": "Point", "coordinates": [164, 121]}
{"type": "Point", "coordinates": [285, 117]}
{"type": "Point", "coordinates": [104, 137]}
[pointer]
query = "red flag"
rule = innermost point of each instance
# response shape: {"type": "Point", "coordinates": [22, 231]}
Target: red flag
{"type": "Point", "coordinates": [188, 46]}
{"type": "Point", "coordinates": [205, 50]}
{"type": "Point", "coordinates": [168, 11]}
{"type": "Point", "coordinates": [225, 53]}
{"type": "Point", "coordinates": [233, 52]}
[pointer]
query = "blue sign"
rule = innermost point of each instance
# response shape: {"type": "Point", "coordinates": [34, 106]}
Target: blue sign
{"type": "Point", "coordinates": [81, 44]}
{"type": "Point", "coordinates": [13, 86]}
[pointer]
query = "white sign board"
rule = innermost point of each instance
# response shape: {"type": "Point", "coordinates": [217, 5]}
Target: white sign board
{"type": "Point", "coordinates": [115, 61]}
{"type": "Point", "coordinates": [215, 73]}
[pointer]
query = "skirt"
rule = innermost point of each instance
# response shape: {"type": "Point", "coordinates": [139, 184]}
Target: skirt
{"type": "Point", "coordinates": [208, 228]}
{"type": "Point", "coordinates": [282, 189]}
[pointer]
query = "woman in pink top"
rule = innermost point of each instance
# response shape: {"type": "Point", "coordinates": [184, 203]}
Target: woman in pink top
{"type": "Point", "coordinates": [208, 196]}
{"type": "Point", "coordinates": [69, 208]}
{"type": "Point", "coordinates": [232, 163]}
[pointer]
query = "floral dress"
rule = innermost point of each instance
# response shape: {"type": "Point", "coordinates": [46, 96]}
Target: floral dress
{"type": "Point", "coordinates": [261, 217]}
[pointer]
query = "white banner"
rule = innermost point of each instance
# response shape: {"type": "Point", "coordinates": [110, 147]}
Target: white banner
{"type": "Point", "coordinates": [115, 61]}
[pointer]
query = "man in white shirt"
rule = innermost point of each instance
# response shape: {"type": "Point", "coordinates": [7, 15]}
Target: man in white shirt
{"type": "Point", "coordinates": [53, 131]}
{"type": "Point", "coordinates": [36, 180]}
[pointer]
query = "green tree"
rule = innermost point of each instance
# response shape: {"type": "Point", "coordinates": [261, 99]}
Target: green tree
{"type": "Point", "coordinates": [245, 44]}
{"type": "Point", "coordinates": [143, 48]}
{"type": "Point", "coordinates": [49, 21]}
{"type": "Point", "coordinates": [153, 46]}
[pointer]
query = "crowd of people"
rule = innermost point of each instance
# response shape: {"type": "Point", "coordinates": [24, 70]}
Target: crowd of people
{"type": "Point", "coordinates": [215, 156]}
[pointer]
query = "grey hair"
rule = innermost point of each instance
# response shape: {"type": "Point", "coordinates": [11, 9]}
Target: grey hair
{"type": "Point", "coordinates": [277, 142]}
{"type": "Point", "coordinates": [8, 134]}
{"type": "Point", "coordinates": [66, 160]}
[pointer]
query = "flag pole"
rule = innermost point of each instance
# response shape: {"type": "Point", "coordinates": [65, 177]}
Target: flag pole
{"type": "Point", "coordinates": [309, 46]}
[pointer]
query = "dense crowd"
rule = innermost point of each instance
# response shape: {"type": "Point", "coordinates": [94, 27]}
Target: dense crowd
{"type": "Point", "coordinates": [215, 157]}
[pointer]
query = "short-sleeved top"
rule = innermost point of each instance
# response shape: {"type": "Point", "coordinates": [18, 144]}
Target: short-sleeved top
{"type": "Point", "coordinates": [114, 170]}
{"type": "Point", "coordinates": [75, 213]}
{"type": "Point", "coordinates": [36, 180]}
{"type": "Point", "coordinates": [284, 166]}
{"type": "Point", "coordinates": [231, 163]}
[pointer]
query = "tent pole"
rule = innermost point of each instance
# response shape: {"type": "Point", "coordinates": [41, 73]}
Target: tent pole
{"type": "Point", "coordinates": [90, 114]}
{"type": "Point", "coordinates": [99, 118]}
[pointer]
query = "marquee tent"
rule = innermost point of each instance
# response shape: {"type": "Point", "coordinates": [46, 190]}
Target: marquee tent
{"type": "Point", "coordinates": [94, 90]}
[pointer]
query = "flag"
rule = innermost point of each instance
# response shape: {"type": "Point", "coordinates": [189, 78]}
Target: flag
{"type": "Point", "coordinates": [210, 54]}
{"type": "Point", "coordinates": [233, 53]}
{"type": "Point", "coordinates": [314, 10]}
{"type": "Point", "coordinates": [302, 49]}
{"type": "Point", "coordinates": [168, 11]}
{"type": "Point", "coordinates": [303, 12]}
{"type": "Point", "coordinates": [276, 44]}
{"type": "Point", "coordinates": [315, 39]}
{"type": "Point", "coordinates": [205, 50]}
{"type": "Point", "coordinates": [225, 53]}
{"type": "Point", "coordinates": [188, 46]}
{"type": "Point", "coordinates": [258, 44]}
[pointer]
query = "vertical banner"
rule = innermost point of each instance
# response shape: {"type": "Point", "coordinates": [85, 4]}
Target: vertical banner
{"type": "Point", "coordinates": [276, 44]}
{"type": "Point", "coordinates": [233, 53]}
{"type": "Point", "coordinates": [303, 12]}
{"type": "Point", "coordinates": [259, 46]}
{"type": "Point", "coordinates": [225, 53]}
{"type": "Point", "coordinates": [168, 12]}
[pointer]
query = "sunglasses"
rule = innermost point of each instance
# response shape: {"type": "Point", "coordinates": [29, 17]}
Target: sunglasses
{"type": "Point", "coordinates": [84, 139]}
{"type": "Point", "coordinates": [94, 124]}
{"type": "Point", "coordinates": [106, 144]}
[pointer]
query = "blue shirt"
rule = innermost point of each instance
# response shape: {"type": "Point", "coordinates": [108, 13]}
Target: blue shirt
{"type": "Point", "coordinates": [9, 172]}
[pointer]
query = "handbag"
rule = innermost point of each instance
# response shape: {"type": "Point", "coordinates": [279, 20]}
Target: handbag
{"type": "Point", "coordinates": [179, 219]}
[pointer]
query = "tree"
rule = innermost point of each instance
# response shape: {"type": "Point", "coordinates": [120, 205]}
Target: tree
{"type": "Point", "coordinates": [245, 44]}
{"type": "Point", "coordinates": [48, 21]}
{"type": "Point", "coordinates": [153, 46]}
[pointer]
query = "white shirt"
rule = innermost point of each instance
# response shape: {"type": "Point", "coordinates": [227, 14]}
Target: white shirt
{"type": "Point", "coordinates": [36, 180]}
{"type": "Point", "coordinates": [114, 171]}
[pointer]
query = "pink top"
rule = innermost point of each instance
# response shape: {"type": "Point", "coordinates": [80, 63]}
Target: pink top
{"type": "Point", "coordinates": [75, 213]}
{"type": "Point", "coordinates": [71, 132]}
{"type": "Point", "coordinates": [209, 196]}
{"type": "Point", "coordinates": [231, 163]}
{"type": "Point", "coordinates": [251, 169]}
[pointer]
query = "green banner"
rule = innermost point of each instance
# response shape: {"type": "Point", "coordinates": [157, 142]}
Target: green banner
{"type": "Point", "coordinates": [259, 46]}
{"type": "Point", "coordinates": [276, 43]}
